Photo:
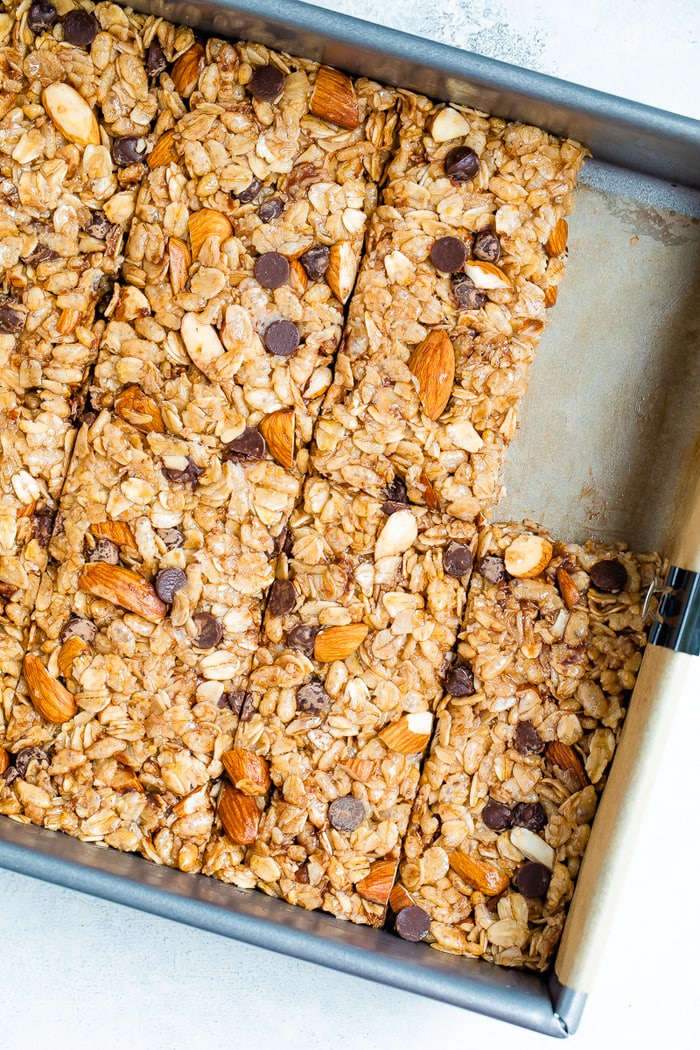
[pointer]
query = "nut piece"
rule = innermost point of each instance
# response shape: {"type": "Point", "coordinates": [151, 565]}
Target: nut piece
{"type": "Point", "coordinates": [410, 735]}
{"type": "Point", "coordinates": [334, 99]}
{"type": "Point", "coordinates": [486, 275]}
{"type": "Point", "coordinates": [335, 643]}
{"type": "Point", "coordinates": [533, 847]}
{"type": "Point", "coordinates": [397, 536]}
{"type": "Point", "coordinates": [239, 814]}
{"type": "Point", "coordinates": [68, 321]}
{"type": "Point", "coordinates": [376, 886]}
{"type": "Point", "coordinates": [448, 124]}
{"type": "Point", "coordinates": [180, 260]}
{"type": "Point", "coordinates": [71, 648]}
{"type": "Point", "coordinates": [556, 242]}
{"type": "Point", "coordinates": [207, 223]}
{"type": "Point", "coordinates": [4, 760]}
{"type": "Point", "coordinates": [250, 773]}
{"type": "Point", "coordinates": [429, 493]}
{"type": "Point", "coordinates": [51, 699]}
{"type": "Point", "coordinates": [361, 769]}
{"type": "Point", "coordinates": [567, 760]}
{"type": "Point", "coordinates": [527, 556]}
{"type": "Point", "coordinates": [201, 342]}
{"type": "Point", "coordinates": [278, 431]}
{"type": "Point", "coordinates": [550, 296]}
{"type": "Point", "coordinates": [479, 874]}
{"type": "Point", "coordinates": [433, 365]}
{"type": "Point", "coordinates": [132, 303]}
{"type": "Point", "coordinates": [185, 72]}
{"type": "Point", "coordinates": [71, 114]}
{"type": "Point", "coordinates": [116, 531]}
{"type": "Point", "coordinates": [400, 898]}
{"type": "Point", "coordinates": [342, 270]}
{"type": "Point", "coordinates": [123, 587]}
{"type": "Point", "coordinates": [163, 152]}
{"type": "Point", "coordinates": [140, 410]}
{"type": "Point", "coordinates": [567, 588]}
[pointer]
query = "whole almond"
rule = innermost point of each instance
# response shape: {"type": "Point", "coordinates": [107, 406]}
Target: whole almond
{"type": "Point", "coordinates": [336, 643]}
{"type": "Point", "coordinates": [376, 886]}
{"type": "Point", "coordinates": [527, 556]}
{"type": "Point", "coordinates": [164, 151]}
{"type": "Point", "coordinates": [140, 410]}
{"type": "Point", "coordinates": [122, 587]}
{"type": "Point", "coordinates": [71, 114]}
{"type": "Point", "coordinates": [278, 431]}
{"type": "Point", "coordinates": [479, 874]}
{"type": "Point", "coordinates": [248, 772]}
{"type": "Point", "coordinates": [433, 365]}
{"type": "Point", "coordinates": [487, 275]}
{"type": "Point", "coordinates": [116, 531]}
{"type": "Point", "coordinates": [361, 769]}
{"type": "Point", "coordinates": [239, 814]}
{"type": "Point", "coordinates": [556, 242]}
{"type": "Point", "coordinates": [410, 735]}
{"type": "Point", "coordinates": [69, 651]}
{"type": "Point", "coordinates": [342, 270]}
{"type": "Point", "coordinates": [50, 699]}
{"type": "Point", "coordinates": [567, 588]}
{"type": "Point", "coordinates": [180, 262]}
{"type": "Point", "coordinates": [186, 70]}
{"type": "Point", "coordinates": [567, 760]}
{"type": "Point", "coordinates": [207, 223]}
{"type": "Point", "coordinates": [334, 99]}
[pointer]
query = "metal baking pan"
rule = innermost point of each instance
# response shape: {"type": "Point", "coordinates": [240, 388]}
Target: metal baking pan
{"type": "Point", "coordinates": [609, 445]}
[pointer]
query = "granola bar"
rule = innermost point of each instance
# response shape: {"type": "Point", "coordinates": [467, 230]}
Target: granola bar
{"type": "Point", "coordinates": [553, 636]}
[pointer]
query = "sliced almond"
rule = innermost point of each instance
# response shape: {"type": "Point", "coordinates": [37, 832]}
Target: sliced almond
{"type": "Point", "coordinates": [248, 772]}
{"type": "Point", "coordinates": [336, 643]}
{"type": "Point", "coordinates": [342, 270]}
{"type": "Point", "coordinates": [556, 242]}
{"type": "Point", "coordinates": [550, 296]}
{"type": "Point", "coordinates": [68, 321]}
{"type": "Point", "coordinates": [207, 223]}
{"type": "Point", "coordinates": [180, 261]}
{"type": "Point", "coordinates": [564, 758]}
{"type": "Point", "coordinates": [51, 699]}
{"type": "Point", "coordinates": [122, 587]}
{"type": "Point", "coordinates": [376, 886]}
{"type": "Point", "coordinates": [201, 342]}
{"type": "Point", "coordinates": [71, 114]}
{"type": "Point", "coordinates": [527, 556]}
{"type": "Point", "coordinates": [69, 651]}
{"type": "Point", "coordinates": [186, 70]}
{"type": "Point", "coordinates": [410, 735]}
{"type": "Point", "coordinates": [4, 760]}
{"type": "Point", "coordinates": [278, 431]}
{"type": "Point", "coordinates": [433, 365]}
{"type": "Point", "coordinates": [140, 410]}
{"type": "Point", "coordinates": [334, 99]}
{"type": "Point", "coordinates": [361, 769]}
{"type": "Point", "coordinates": [164, 151]}
{"type": "Point", "coordinates": [486, 275]}
{"type": "Point", "coordinates": [398, 535]}
{"type": "Point", "coordinates": [132, 303]}
{"type": "Point", "coordinates": [567, 588]}
{"type": "Point", "coordinates": [533, 847]}
{"type": "Point", "coordinates": [448, 124]}
{"type": "Point", "coordinates": [118, 532]}
{"type": "Point", "coordinates": [482, 876]}
{"type": "Point", "coordinates": [239, 814]}
{"type": "Point", "coordinates": [429, 493]}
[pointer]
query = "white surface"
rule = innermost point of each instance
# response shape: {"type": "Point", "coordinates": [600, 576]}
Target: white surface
{"type": "Point", "coordinates": [82, 974]}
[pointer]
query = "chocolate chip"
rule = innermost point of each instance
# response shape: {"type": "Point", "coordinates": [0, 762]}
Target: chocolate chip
{"type": "Point", "coordinates": [395, 496]}
{"type": "Point", "coordinates": [302, 873]}
{"type": "Point", "coordinates": [496, 815]}
{"type": "Point", "coordinates": [168, 582]}
{"type": "Point", "coordinates": [234, 700]}
{"type": "Point", "coordinates": [315, 261]}
{"type": "Point", "coordinates": [283, 541]}
{"type": "Point", "coordinates": [532, 880]}
{"type": "Point", "coordinates": [312, 698]}
{"type": "Point", "coordinates": [459, 681]}
{"type": "Point", "coordinates": [270, 209]}
{"type": "Point", "coordinates": [466, 294]}
{"type": "Point", "coordinates": [99, 225]}
{"type": "Point", "coordinates": [129, 149]}
{"type": "Point", "coordinates": [346, 813]}
{"type": "Point", "coordinates": [105, 292]}
{"type": "Point", "coordinates": [448, 254]}
{"type": "Point", "coordinates": [248, 445]}
{"type": "Point", "coordinates": [209, 630]}
{"type": "Point", "coordinates": [412, 923]}
{"type": "Point", "coordinates": [530, 815]}
{"type": "Point", "coordinates": [41, 254]}
{"type": "Point", "coordinates": [27, 755]}
{"type": "Point", "coordinates": [303, 638]}
{"type": "Point", "coordinates": [266, 83]}
{"type": "Point", "coordinates": [492, 568]}
{"type": "Point", "coordinates": [78, 627]}
{"type": "Point", "coordinates": [457, 559]}
{"type": "Point", "coordinates": [80, 28]}
{"type": "Point", "coordinates": [104, 550]}
{"type": "Point", "coordinates": [282, 599]}
{"type": "Point", "coordinates": [250, 192]}
{"type": "Point", "coordinates": [10, 775]}
{"type": "Point", "coordinates": [155, 59]}
{"type": "Point", "coordinates": [609, 576]}
{"type": "Point", "coordinates": [461, 164]}
{"type": "Point", "coordinates": [281, 338]}
{"type": "Point", "coordinates": [190, 475]}
{"type": "Point", "coordinates": [486, 247]}
{"type": "Point", "coordinates": [526, 740]}
{"type": "Point", "coordinates": [42, 15]}
{"type": "Point", "coordinates": [11, 319]}
{"type": "Point", "coordinates": [248, 709]}
{"type": "Point", "coordinates": [7, 591]}
{"type": "Point", "coordinates": [42, 525]}
{"type": "Point", "coordinates": [172, 538]}
{"type": "Point", "coordinates": [271, 270]}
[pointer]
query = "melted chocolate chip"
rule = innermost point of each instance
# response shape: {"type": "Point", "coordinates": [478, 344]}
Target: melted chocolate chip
{"type": "Point", "coordinates": [459, 681]}
{"type": "Point", "coordinates": [412, 923]}
{"type": "Point", "coordinates": [190, 475]}
{"type": "Point", "coordinates": [283, 541]}
{"type": "Point", "coordinates": [466, 294]}
{"type": "Point", "coordinates": [78, 627]}
{"type": "Point", "coordinates": [80, 28]}
{"type": "Point", "coordinates": [492, 568]}
{"type": "Point", "coordinates": [532, 880]}
{"type": "Point", "coordinates": [281, 338]}
{"type": "Point", "coordinates": [461, 164]}
{"type": "Point", "coordinates": [10, 775]}
{"type": "Point", "coordinates": [303, 639]}
{"type": "Point", "coordinates": [609, 576]}
{"type": "Point", "coordinates": [99, 225]}
{"type": "Point", "coordinates": [266, 83]}
{"type": "Point", "coordinates": [172, 538]}
{"type": "Point", "coordinates": [41, 254]}
{"type": "Point", "coordinates": [487, 247]}
{"type": "Point", "coordinates": [457, 559]}
{"type": "Point", "coordinates": [130, 149]}
{"type": "Point", "coordinates": [271, 270]}
{"type": "Point", "coordinates": [302, 873]}
{"type": "Point", "coordinates": [497, 816]}
{"type": "Point", "coordinates": [248, 445]}
{"type": "Point", "coordinates": [346, 813]}
{"type": "Point", "coordinates": [270, 209]}
{"type": "Point", "coordinates": [282, 599]}
{"type": "Point", "coordinates": [530, 815]}
{"type": "Point", "coordinates": [42, 525]}
{"type": "Point", "coordinates": [234, 700]}
{"type": "Point", "coordinates": [312, 698]}
{"type": "Point", "coordinates": [42, 15]}
{"type": "Point", "coordinates": [250, 192]}
{"type": "Point", "coordinates": [315, 261]}
{"type": "Point", "coordinates": [395, 496]}
{"type": "Point", "coordinates": [448, 254]}
{"type": "Point", "coordinates": [104, 550]}
{"type": "Point", "coordinates": [155, 59]}
{"type": "Point", "coordinates": [168, 582]}
{"type": "Point", "coordinates": [527, 740]}
{"type": "Point", "coordinates": [27, 755]}
{"type": "Point", "coordinates": [209, 630]}
{"type": "Point", "coordinates": [11, 319]}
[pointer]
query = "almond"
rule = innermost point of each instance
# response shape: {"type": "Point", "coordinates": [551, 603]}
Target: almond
{"type": "Point", "coordinates": [479, 874]}
{"type": "Point", "coordinates": [376, 886]}
{"type": "Point", "coordinates": [164, 151]}
{"type": "Point", "coordinates": [125, 780]}
{"type": "Point", "coordinates": [361, 769]}
{"type": "Point", "coordinates": [132, 303]}
{"type": "Point", "coordinates": [298, 279]}
{"type": "Point", "coordinates": [122, 587]}
{"type": "Point", "coordinates": [180, 261]}
{"type": "Point", "coordinates": [342, 270]}
{"type": "Point", "coordinates": [201, 342]}
{"type": "Point", "coordinates": [400, 898]}
{"type": "Point", "coordinates": [278, 431]}
{"type": "Point", "coordinates": [207, 223]}
{"type": "Point", "coordinates": [71, 114]}
{"type": "Point", "coordinates": [397, 536]}
{"type": "Point", "coordinates": [567, 760]}
{"type": "Point", "coordinates": [334, 99]}
{"type": "Point", "coordinates": [116, 531]}
{"type": "Point", "coordinates": [4, 760]}
{"type": "Point", "coordinates": [550, 296]}
{"type": "Point", "coordinates": [556, 242]}
{"type": "Point", "coordinates": [433, 365]}
{"type": "Point", "coordinates": [527, 556]}
{"type": "Point", "coordinates": [335, 643]}
{"type": "Point", "coordinates": [533, 847]}
{"type": "Point", "coordinates": [50, 699]}
{"type": "Point", "coordinates": [68, 321]}
{"type": "Point", "coordinates": [186, 70]}
{"type": "Point", "coordinates": [410, 735]}
{"type": "Point", "coordinates": [567, 588]}
{"type": "Point", "coordinates": [140, 410]}
{"type": "Point", "coordinates": [239, 814]}
{"type": "Point", "coordinates": [448, 124]}
{"type": "Point", "coordinates": [248, 772]}
{"type": "Point", "coordinates": [429, 493]}
{"type": "Point", "coordinates": [69, 651]}
{"type": "Point", "coordinates": [486, 275]}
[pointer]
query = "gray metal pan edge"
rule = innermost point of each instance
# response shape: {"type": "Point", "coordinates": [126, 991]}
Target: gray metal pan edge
{"type": "Point", "coordinates": [616, 130]}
